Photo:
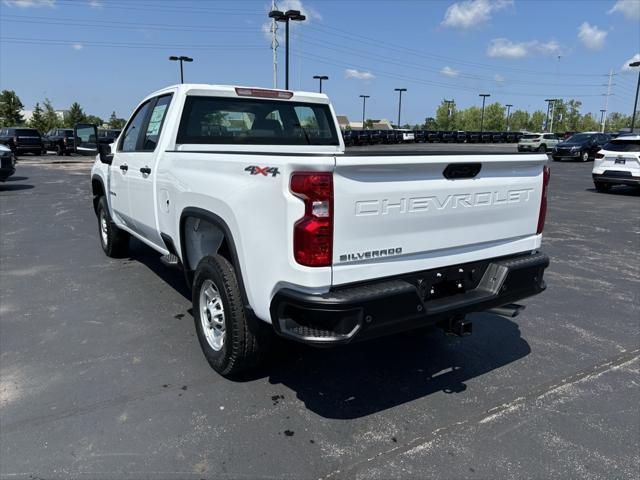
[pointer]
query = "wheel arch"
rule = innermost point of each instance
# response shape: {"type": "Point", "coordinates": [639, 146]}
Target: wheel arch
{"type": "Point", "coordinates": [97, 190]}
{"type": "Point", "coordinates": [216, 239]}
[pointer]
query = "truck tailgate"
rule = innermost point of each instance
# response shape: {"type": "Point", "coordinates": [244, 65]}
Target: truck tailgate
{"type": "Point", "coordinates": [400, 214]}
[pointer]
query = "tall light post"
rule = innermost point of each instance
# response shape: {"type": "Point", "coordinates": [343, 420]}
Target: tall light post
{"type": "Point", "coordinates": [364, 105]}
{"type": "Point", "coordinates": [546, 120]}
{"type": "Point", "coordinates": [602, 116]}
{"type": "Point", "coordinates": [400, 90]}
{"type": "Point", "coordinates": [449, 103]}
{"type": "Point", "coordinates": [321, 78]}
{"type": "Point", "coordinates": [553, 112]}
{"type": "Point", "coordinates": [635, 103]}
{"type": "Point", "coordinates": [508, 105]}
{"type": "Point", "coordinates": [181, 59]}
{"type": "Point", "coordinates": [484, 97]}
{"type": "Point", "coordinates": [285, 17]}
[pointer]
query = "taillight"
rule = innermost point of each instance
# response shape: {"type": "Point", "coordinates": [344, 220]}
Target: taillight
{"type": "Point", "coordinates": [546, 174]}
{"type": "Point", "coordinates": [313, 233]}
{"type": "Point", "coordinates": [599, 155]}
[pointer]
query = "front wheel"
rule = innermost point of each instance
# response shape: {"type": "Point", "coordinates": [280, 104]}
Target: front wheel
{"type": "Point", "coordinates": [584, 156]}
{"type": "Point", "coordinates": [114, 242]}
{"type": "Point", "coordinates": [59, 150]}
{"type": "Point", "coordinates": [231, 338]}
{"type": "Point", "coordinates": [602, 187]}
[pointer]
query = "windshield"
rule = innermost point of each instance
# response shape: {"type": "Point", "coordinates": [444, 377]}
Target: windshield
{"type": "Point", "coordinates": [27, 132]}
{"type": "Point", "coordinates": [213, 120]}
{"type": "Point", "coordinates": [530, 137]}
{"type": "Point", "coordinates": [621, 145]}
{"type": "Point", "coordinates": [579, 137]}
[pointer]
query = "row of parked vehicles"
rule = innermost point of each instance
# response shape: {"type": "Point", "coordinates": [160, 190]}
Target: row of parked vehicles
{"type": "Point", "coordinates": [21, 140]}
{"type": "Point", "coordinates": [374, 137]}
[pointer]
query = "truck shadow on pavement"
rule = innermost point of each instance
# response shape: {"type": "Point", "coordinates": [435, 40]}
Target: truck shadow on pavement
{"type": "Point", "coordinates": [361, 379]}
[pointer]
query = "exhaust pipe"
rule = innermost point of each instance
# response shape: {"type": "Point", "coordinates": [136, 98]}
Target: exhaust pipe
{"type": "Point", "coordinates": [511, 310]}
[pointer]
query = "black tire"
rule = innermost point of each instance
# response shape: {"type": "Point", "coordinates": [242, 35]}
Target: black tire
{"type": "Point", "coordinates": [584, 156]}
{"type": "Point", "coordinates": [245, 337]}
{"type": "Point", "coordinates": [542, 148]}
{"type": "Point", "coordinates": [602, 187]}
{"type": "Point", "coordinates": [59, 150]}
{"type": "Point", "coordinates": [114, 242]}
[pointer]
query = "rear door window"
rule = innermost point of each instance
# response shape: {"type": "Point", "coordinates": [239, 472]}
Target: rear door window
{"type": "Point", "coordinates": [213, 120]}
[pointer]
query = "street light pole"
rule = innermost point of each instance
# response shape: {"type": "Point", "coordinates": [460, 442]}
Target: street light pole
{"type": "Point", "coordinates": [181, 59]}
{"type": "Point", "coordinates": [553, 112]}
{"type": "Point", "coordinates": [289, 15]}
{"type": "Point", "coordinates": [546, 121]}
{"type": "Point", "coordinates": [602, 116]}
{"type": "Point", "coordinates": [400, 90]}
{"type": "Point", "coordinates": [321, 78]}
{"type": "Point", "coordinates": [508, 113]}
{"type": "Point", "coordinates": [635, 102]}
{"type": "Point", "coordinates": [364, 104]}
{"type": "Point", "coordinates": [484, 97]}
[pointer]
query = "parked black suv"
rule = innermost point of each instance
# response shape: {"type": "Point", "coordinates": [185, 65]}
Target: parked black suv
{"type": "Point", "coordinates": [22, 140]}
{"type": "Point", "coordinates": [581, 146]}
{"type": "Point", "coordinates": [108, 135]}
{"type": "Point", "coordinates": [59, 140]}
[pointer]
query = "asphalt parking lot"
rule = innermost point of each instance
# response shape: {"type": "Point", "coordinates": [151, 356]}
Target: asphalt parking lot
{"type": "Point", "coordinates": [101, 375]}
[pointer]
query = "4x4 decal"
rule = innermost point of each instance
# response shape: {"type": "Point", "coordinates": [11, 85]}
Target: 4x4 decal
{"type": "Point", "coordinates": [266, 171]}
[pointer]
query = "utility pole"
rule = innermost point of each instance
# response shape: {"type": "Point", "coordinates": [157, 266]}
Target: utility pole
{"type": "Point", "coordinates": [546, 121]}
{"type": "Point", "coordinates": [606, 101]}
{"type": "Point", "coordinates": [508, 105]}
{"type": "Point", "coordinates": [635, 103]}
{"type": "Point", "coordinates": [449, 103]}
{"type": "Point", "coordinates": [364, 105]}
{"type": "Point", "coordinates": [602, 116]}
{"type": "Point", "coordinates": [484, 97]}
{"type": "Point", "coordinates": [274, 44]}
{"type": "Point", "coordinates": [553, 112]}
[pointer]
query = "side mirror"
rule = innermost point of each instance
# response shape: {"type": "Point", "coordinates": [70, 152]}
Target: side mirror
{"type": "Point", "coordinates": [86, 139]}
{"type": "Point", "coordinates": [104, 150]}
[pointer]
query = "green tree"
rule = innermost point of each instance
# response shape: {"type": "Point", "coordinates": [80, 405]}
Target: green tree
{"type": "Point", "coordinates": [74, 115]}
{"type": "Point", "coordinates": [115, 122]}
{"type": "Point", "coordinates": [572, 121]}
{"type": "Point", "coordinates": [518, 120]}
{"type": "Point", "coordinates": [588, 123]}
{"type": "Point", "coordinates": [536, 120]}
{"type": "Point", "coordinates": [617, 121]}
{"type": "Point", "coordinates": [368, 123]}
{"type": "Point", "coordinates": [430, 123]}
{"type": "Point", "coordinates": [469, 119]}
{"type": "Point", "coordinates": [10, 106]}
{"type": "Point", "coordinates": [93, 119]}
{"type": "Point", "coordinates": [37, 120]}
{"type": "Point", "coordinates": [51, 118]}
{"type": "Point", "coordinates": [446, 115]}
{"type": "Point", "coordinates": [559, 112]}
{"type": "Point", "coordinates": [494, 117]}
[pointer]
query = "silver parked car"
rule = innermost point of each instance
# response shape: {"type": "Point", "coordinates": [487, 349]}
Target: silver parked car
{"type": "Point", "coordinates": [537, 142]}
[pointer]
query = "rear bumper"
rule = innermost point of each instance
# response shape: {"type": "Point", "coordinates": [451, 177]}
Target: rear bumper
{"type": "Point", "coordinates": [617, 178]}
{"type": "Point", "coordinates": [392, 305]}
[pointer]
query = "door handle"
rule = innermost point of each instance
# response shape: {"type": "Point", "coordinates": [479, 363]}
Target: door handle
{"type": "Point", "coordinates": [145, 170]}
{"type": "Point", "coordinates": [124, 167]}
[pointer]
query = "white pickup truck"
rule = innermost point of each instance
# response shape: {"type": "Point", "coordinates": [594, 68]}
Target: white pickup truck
{"type": "Point", "coordinates": [277, 228]}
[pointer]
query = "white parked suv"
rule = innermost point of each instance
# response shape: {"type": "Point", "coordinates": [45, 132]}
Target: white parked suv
{"type": "Point", "coordinates": [618, 163]}
{"type": "Point", "coordinates": [537, 142]}
{"type": "Point", "coordinates": [278, 229]}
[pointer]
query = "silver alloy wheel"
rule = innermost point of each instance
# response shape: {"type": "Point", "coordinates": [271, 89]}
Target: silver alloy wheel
{"type": "Point", "coordinates": [212, 315]}
{"type": "Point", "coordinates": [104, 233]}
{"type": "Point", "coordinates": [585, 156]}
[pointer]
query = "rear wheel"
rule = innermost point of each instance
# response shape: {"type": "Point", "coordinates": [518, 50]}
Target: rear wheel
{"type": "Point", "coordinates": [231, 338]}
{"type": "Point", "coordinates": [59, 150]}
{"type": "Point", "coordinates": [542, 148]}
{"type": "Point", "coordinates": [114, 242]}
{"type": "Point", "coordinates": [584, 156]}
{"type": "Point", "coordinates": [602, 187]}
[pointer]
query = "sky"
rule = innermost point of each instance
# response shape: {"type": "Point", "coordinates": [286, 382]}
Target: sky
{"type": "Point", "coordinates": [108, 54]}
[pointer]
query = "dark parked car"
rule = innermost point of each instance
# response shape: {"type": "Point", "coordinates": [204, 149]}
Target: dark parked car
{"type": "Point", "coordinates": [22, 140]}
{"type": "Point", "coordinates": [347, 136]}
{"type": "Point", "coordinates": [388, 136]}
{"type": "Point", "coordinates": [473, 137]}
{"type": "Point", "coordinates": [498, 137]}
{"type": "Point", "coordinates": [108, 135]}
{"type": "Point", "coordinates": [373, 136]}
{"type": "Point", "coordinates": [434, 136]}
{"type": "Point", "coordinates": [581, 146]}
{"type": "Point", "coordinates": [511, 137]}
{"type": "Point", "coordinates": [448, 137]}
{"type": "Point", "coordinates": [359, 137]}
{"type": "Point", "coordinates": [420, 136]}
{"type": "Point", "coordinates": [460, 136]}
{"type": "Point", "coordinates": [59, 140]}
{"type": "Point", "coordinates": [7, 163]}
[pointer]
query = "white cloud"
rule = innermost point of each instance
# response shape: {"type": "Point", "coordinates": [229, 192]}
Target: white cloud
{"type": "Point", "coordinates": [629, 8]}
{"type": "Point", "coordinates": [505, 48]}
{"type": "Point", "coordinates": [29, 3]}
{"type": "Point", "coordinates": [471, 13]}
{"type": "Point", "coordinates": [77, 46]}
{"type": "Point", "coordinates": [449, 72]}
{"type": "Point", "coordinates": [353, 73]}
{"type": "Point", "coordinates": [591, 36]}
{"type": "Point", "coordinates": [96, 3]}
{"type": "Point", "coordinates": [309, 12]}
{"type": "Point", "coordinates": [499, 78]}
{"type": "Point", "coordinates": [625, 66]}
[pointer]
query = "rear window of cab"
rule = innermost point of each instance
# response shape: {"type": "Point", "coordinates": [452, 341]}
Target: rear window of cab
{"type": "Point", "coordinates": [622, 145]}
